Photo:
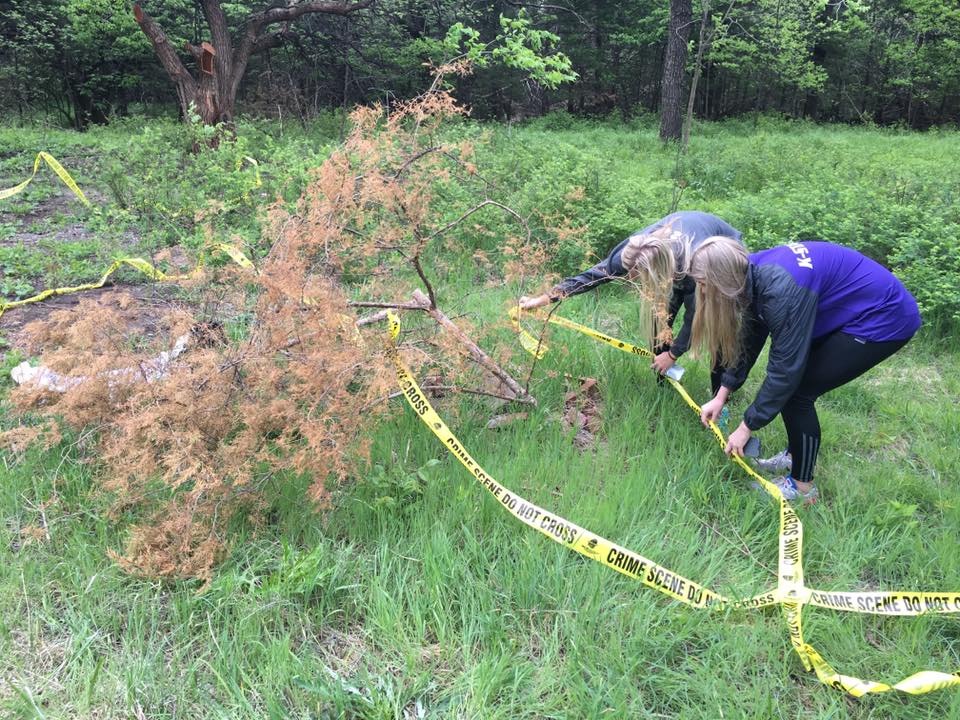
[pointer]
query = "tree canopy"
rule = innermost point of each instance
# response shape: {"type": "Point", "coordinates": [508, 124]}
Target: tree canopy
{"type": "Point", "coordinates": [882, 61]}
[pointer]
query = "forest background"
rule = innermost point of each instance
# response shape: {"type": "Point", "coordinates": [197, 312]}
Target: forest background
{"type": "Point", "coordinates": [269, 533]}
{"type": "Point", "coordinates": [886, 62]}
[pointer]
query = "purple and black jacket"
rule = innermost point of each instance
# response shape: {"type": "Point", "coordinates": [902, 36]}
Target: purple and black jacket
{"type": "Point", "coordinates": [800, 292]}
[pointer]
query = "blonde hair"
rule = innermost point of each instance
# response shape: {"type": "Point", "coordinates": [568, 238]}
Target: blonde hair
{"type": "Point", "coordinates": [719, 266]}
{"type": "Point", "coordinates": [654, 262]}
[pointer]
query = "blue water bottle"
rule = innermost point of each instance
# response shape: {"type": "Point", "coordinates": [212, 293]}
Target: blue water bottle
{"type": "Point", "coordinates": [724, 419]}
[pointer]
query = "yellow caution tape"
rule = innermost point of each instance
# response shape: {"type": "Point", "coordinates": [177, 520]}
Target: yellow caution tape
{"type": "Point", "coordinates": [256, 169]}
{"type": "Point", "coordinates": [556, 528]}
{"type": "Point", "coordinates": [57, 168]}
{"type": "Point", "coordinates": [143, 266]}
{"type": "Point", "coordinates": [790, 593]}
{"type": "Point", "coordinates": [235, 254]}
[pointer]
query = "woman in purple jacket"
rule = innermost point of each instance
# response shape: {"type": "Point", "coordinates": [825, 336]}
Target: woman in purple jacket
{"type": "Point", "coordinates": [831, 314]}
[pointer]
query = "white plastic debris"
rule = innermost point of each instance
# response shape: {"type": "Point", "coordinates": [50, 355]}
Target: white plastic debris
{"type": "Point", "coordinates": [149, 370]}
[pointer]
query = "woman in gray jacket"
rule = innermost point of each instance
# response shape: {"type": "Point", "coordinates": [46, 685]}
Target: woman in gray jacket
{"type": "Point", "coordinates": [656, 258]}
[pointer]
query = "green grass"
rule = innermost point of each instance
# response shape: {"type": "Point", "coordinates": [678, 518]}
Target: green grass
{"type": "Point", "coordinates": [418, 596]}
{"type": "Point", "coordinates": [438, 600]}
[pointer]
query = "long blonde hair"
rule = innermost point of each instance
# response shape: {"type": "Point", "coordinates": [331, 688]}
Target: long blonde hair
{"type": "Point", "coordinates": [719, 266]}
{"type": "Point", "coordinates": [654, 262]}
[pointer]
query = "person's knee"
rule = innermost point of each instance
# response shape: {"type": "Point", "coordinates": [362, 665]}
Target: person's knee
{"type": "Point", "coordinates": [800, 402]}
{"type": "Point", "coordinates": [800, 411]}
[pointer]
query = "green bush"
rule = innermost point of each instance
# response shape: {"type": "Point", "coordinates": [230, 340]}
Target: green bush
{"type": "Point", "coordinates": [886, 193]}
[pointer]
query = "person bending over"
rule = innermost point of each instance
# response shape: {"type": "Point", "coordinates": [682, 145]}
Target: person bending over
{"type": "Point", "coordinates": [656, 258]}
{"type": "Point", "coordinates": [831, 314]}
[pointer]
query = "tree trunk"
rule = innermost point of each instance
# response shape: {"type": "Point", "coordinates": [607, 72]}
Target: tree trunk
{"type": "Point", "coordinates": [213, 91]}
{"type": "Point", "coordinates": [671, 87]}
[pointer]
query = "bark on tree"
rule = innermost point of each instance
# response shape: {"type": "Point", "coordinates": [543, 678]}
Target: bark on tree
{"type": "Point", "coordinates": [222, 62]}
{"type": "Point", "coordinates": [671, 86]}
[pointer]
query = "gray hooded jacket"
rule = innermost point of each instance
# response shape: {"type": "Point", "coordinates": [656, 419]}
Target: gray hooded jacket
{"type": "Point", "coordinates": [698, 226]}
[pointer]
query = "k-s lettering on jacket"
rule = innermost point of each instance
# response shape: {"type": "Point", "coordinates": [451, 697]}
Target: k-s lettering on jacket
{"type": "Point", "coordinates": [697, 226]}
{"type": "Point", "coordinates": [803, 291]}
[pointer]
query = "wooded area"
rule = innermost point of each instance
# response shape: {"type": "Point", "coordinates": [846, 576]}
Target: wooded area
{"type": "Point", "coordinates": [290, 427]}
{"type": "Point", "coordinates": [886, 62]}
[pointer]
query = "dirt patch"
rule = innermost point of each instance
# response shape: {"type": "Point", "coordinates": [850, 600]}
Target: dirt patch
{"type": "Point", "coordinates": [152, 301]}
{"type": "Point", "coordinates": [342, 651]}
{"type": "Point", "coordinates": [923, 379]}
{"type": "Point", "coordinates": [66, 205]}
{"type": "Point", "coordinates": [37, 660]}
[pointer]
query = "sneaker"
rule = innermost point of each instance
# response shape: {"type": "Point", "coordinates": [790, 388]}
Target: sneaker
{"type": "Point", "coordinates": [781, 462]}
{"type": "Point", "coordinates": [790, 490]}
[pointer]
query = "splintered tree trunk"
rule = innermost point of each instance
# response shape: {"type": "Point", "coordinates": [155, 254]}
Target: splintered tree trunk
{"type": "Point", "coordinates": [211, 92]}
{"type": "Point", "coordinates": [671, 87]}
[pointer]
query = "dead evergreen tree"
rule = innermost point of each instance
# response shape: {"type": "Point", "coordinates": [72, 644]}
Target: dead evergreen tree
{"type": "Point", "coordinates": [299, 393]}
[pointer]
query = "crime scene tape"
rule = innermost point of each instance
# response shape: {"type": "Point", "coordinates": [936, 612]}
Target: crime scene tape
{"type": "Point", "coordinates": [790, 593]}
{"type": "Point", "coordinates": [144, 266]}
{"type": "Point", "coordinates": [256, 169]}
{"type": "Point", "coordinates": [57, 168]}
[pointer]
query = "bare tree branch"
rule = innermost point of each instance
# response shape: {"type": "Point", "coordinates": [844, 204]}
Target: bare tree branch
{"type": "Point", "coordinates": [412, 159]}
{"type": "Point", "coordinates": [474, 209]}
{"type": "Point", "coordinates": [292, 12]}
{"type": "Point", "coordinates": [423, 278]}
{"type": "Point", "coordinates": [389, 305]}
{"type": "Point", "coordinates": [582, 20]}
{"type": "Point", "coordinates": [371, 319]}
{"type": "Point", "coordinates": [271, 16]}
{"type": "Point", "coordinates": [266, 42]}
{"type": "Point", "coordinates": [168, 56]}
{"type": "Point", "coordinates": [481, 358]}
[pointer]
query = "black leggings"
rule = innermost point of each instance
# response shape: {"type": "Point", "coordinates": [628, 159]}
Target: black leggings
{"type": "Point", "coordinates": [834, 360]}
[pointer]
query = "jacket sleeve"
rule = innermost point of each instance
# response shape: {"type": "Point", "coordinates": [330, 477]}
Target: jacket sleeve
{"type": "Point", "coordinates": [754, 337]}
{"type": "Point", "coordinates": [686, 293]}
{"type": "Point", "coordinates": [603, 272]}
{"type": "Point", "coordinates": [791, 329]}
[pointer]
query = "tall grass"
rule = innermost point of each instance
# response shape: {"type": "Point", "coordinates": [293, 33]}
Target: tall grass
{"type": "Point", "coordinates": [440, 605]}
{"type": "Point", "coordinates": [417, 596]}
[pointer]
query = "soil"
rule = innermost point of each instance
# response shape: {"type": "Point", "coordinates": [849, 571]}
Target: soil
{"type": "Point", "coordinates": [152, 302]}
{"type": "Point", "coordinates": [582, 412]}
{"type": "Point", "coordinates": [64, 204]}
{"type": "Point", "coordinates": [152, 298]}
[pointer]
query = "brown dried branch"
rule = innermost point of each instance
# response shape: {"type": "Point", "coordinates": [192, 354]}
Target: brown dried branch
{"type": "Point", "coordinates": [519, 393]}
{"type": "Point", "coordinates": [371, 319]}
{"type": "Point", "coordinates": [431, 297]}
{"type": "Point", "coordinates": [540, 340]}
{"type": "Point", "coordinates": [412, 159]}
{"type": "Point", "coordinates": [389, 305]}
{"type": "Point", "coordinates": [474, 209]}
